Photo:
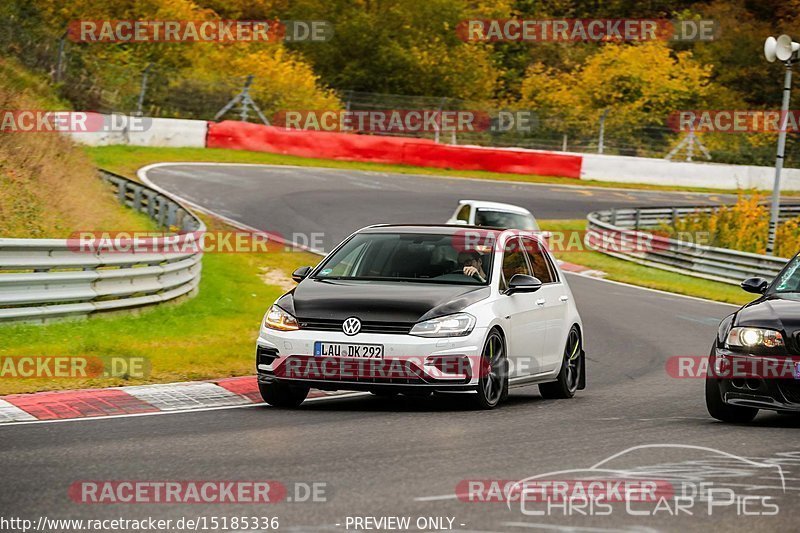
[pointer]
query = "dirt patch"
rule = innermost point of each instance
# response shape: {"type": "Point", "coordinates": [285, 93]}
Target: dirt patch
{"type": "Point", "coordinates": [276, 277]}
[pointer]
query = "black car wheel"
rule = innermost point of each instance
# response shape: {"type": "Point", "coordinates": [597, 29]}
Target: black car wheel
{"type": "Point", "coordinates": [282, 395]}
{"type": "Point", "coordinates": [493, 381]}
{"type": "Point", "coordinates": [569, 378]}
{"type": "Point", "coordinates": [723, 411]}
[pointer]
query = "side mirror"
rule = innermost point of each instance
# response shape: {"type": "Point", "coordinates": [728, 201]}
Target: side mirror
{"type": "Point", "coordinates": [301, 273]}
{"type": "Point", "coordinates": [523, 283]}
{"type": "Point", "coordinates": [755, 285]}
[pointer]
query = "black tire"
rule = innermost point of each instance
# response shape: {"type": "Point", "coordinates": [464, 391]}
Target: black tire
{"type": "Point", "coordinates": [571, 374]}
{"type": "Point", "coordinates": [493, 380]}
{"type": "Point", "coordinates": [282, 395]}
{"type": "Point", "coordinates": [725, 412]}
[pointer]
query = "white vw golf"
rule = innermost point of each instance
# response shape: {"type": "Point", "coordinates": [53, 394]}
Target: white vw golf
{"type": "Point", "coordinates": [416, 309]}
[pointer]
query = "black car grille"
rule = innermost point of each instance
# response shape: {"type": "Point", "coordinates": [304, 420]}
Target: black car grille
{"type": "Point", "coordinates": [790, 389]}
{"type": "Point", "coordinates": [367, 326]}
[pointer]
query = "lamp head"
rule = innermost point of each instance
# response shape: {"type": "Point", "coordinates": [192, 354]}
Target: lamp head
{"type": "Point", "coordinates": [769, 49]}
{"type": "Point", "coordinates": [785, 47]}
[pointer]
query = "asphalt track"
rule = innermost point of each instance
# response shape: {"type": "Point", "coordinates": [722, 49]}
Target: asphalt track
{"type": "Point", "coordinates": [405, 457]}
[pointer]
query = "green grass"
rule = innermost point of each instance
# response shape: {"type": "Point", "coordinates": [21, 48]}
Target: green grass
{"type": "Point", "coordinates": [127, 159]}
{"type": "Point", "coordinates": [209, 336]}
{"type": "Point", "coordinates": [628, 272]}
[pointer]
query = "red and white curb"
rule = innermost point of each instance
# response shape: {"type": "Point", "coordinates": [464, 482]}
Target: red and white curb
{"type": "Point", "coordinates": [134, 400]}
{"type": "Point", "coordinates": [580, 269]}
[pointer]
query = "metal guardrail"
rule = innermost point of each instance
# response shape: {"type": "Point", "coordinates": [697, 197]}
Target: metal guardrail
{"type": "Point", "coordinates": [42, 279]}
{"type": "Point", "coordinates": [620, 233]}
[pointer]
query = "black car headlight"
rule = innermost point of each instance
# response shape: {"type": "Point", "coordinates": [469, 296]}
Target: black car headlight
{"type": "Point", "coordinates": [456, 325]}
{"type": "Point", "coordinates": [744, 337]}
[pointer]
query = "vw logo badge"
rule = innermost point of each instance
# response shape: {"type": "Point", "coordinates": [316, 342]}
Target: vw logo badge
{"type": "Point", "coordinates": [351, 326]}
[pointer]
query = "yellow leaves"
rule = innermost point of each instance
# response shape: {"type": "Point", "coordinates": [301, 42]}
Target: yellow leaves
{"type": "Point", "coordinates": [639, 83]}
{"type": "Point", "coordinates": [743, 226]}
{"type": "Point", "coordinates": [283, 78]}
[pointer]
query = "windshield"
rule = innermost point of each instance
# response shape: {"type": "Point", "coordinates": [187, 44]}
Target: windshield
{"type": "Point", "coordinates": [789, 279]}
{"type": "Point", "coordinates": [505, 220]}
{"type": "Point", "coordinates": [410, 257]}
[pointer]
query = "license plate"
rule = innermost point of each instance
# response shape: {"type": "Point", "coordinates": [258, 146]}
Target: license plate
{"type": "Point", "coordinates": [356, 351]}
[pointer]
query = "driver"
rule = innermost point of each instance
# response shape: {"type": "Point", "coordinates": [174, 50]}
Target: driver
{"type": "Point", "coordinates": [472, 265]}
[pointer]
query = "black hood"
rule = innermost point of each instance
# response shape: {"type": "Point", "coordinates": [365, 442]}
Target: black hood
{"type": "Point", "coordinates": [378, 301]}
{"type": "Point", "coordinates": [771, 312]}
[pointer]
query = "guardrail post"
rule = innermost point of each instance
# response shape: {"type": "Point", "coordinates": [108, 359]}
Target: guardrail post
{"type": "Point", "coordinates": [137, 198]}
{"type": "Point", "coordinates": [121, 191]}
{"type": "Point", "coordinates": [161, 211]}
{"type": "Point", "coordinates": [613, 216]}
{"type": "Point", "coordinates": [171, 211]}
{"type": "Point", "coordinates": [151, 207]}
{"type": "Point", "coordinates": [674, 217]}
{"type": "Point", "coordinates": [636, 219]}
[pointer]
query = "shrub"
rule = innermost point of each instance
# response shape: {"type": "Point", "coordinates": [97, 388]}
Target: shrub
{"type": "Point", "coordinates": [742, 226]}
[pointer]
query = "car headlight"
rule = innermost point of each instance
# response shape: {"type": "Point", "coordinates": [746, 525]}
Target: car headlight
{"type": "Point", "coordinates": [754, 338]}
{"type": "Point", "coordinates": [277, 318]}
{"type": "Point", "coordinates": [456, 325]}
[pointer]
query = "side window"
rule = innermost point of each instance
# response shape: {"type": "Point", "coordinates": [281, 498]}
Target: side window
{"type": "Point", "coordinates": [463, 213]}
{"type": "Point", "coordinates": [513, 262]}
{"type": "Point", "coordinates": [539, 263]}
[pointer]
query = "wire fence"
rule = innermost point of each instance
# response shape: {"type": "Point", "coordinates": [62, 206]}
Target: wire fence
{"type": "Point", "coordinates": [90, 82]}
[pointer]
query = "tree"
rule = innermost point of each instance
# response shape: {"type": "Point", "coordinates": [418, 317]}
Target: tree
{"type": "Point", "coordinates": [639, 85]}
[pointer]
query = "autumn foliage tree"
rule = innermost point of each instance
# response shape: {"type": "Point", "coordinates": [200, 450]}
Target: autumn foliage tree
{"type": "Point", "coordinates": [639, 85]}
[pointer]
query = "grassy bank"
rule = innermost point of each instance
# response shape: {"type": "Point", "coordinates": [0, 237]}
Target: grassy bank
{"type": "Point", "coordinates": [48, 185]}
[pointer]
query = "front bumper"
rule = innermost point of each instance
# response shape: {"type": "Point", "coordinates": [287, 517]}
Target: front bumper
{"type": "Point", "coordinates": [410, 362]}
{"type": "Point", "coordinates": [776, 391]}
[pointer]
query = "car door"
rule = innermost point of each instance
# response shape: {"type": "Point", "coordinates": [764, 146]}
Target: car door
{"type": "Point", "coordinates": [526, 324]}
{"type": "Point", "coordinates": [552, 299]}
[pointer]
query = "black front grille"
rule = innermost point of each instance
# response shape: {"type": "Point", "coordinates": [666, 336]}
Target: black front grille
{"type": "Point", "coordinates": [367, 326]}
{"type": "Point", "coordinates": [790, 389]}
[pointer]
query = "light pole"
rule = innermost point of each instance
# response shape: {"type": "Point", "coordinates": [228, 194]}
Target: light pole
{"type": "Point", "coordinates": [784, 49]}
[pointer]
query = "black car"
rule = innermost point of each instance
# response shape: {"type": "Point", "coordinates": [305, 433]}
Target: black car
{"type": "Point", "coordinates": [755, 361]}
